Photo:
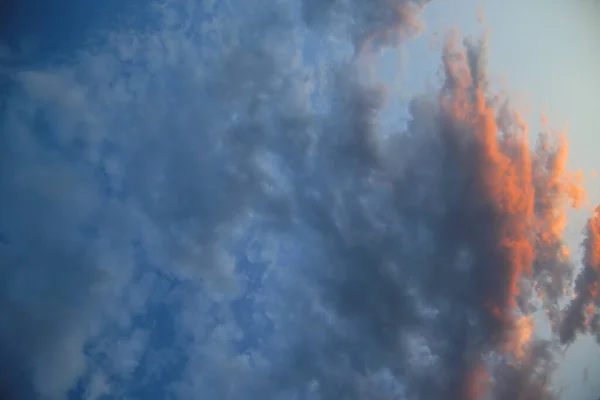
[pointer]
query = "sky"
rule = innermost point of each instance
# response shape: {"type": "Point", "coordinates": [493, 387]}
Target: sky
{"type": "Point", "coordinates": [366, 199]}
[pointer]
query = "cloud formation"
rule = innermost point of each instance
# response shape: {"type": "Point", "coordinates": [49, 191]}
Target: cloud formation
{"type": "Point", "coordinates": [581, 314]}
{"type": "Point", "coordinates": [184, 207]}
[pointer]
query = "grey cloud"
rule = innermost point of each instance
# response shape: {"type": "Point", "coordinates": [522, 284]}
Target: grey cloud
{"type": "Point", "coordinates": [365, 20]}
{"type": "Point", "coordinates": [581, 314]}
{"type": "Point", "coordinates": [531, 378]}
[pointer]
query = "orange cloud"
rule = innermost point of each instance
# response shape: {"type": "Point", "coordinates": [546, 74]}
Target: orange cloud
{"type": "Point", "coordinates": [476, 383]}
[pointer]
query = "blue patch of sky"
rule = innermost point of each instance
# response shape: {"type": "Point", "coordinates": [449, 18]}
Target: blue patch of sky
{"type": "Point", "coordinates": [162, 360]}
{"type": "Point", "coordinates": [246, 311]}
{"type": "Point", "coordinates": [43, 31]}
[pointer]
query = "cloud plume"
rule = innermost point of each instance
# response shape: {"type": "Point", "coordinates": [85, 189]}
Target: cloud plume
{"type": "Point", "coordinates": [580, 315]}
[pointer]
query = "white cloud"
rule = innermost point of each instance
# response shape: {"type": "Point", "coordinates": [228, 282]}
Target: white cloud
{"type": "Point", "coordinates": [97, 387]}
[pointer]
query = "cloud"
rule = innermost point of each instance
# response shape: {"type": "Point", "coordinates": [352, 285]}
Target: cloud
{"type": "Point", "coordinates": [46, 268]}
{"type": "Point", "coordinates": [382, 22]}
{"type": "Point", "coordinates": [532, 377]}
{"type": "Point", "coordinates": [179, 210]}
{"type": "Point", "coordinates": [581, 313]}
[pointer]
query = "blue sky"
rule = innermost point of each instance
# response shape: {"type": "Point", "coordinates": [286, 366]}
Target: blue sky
{"type": "Point", "coordinates": [190, 208]}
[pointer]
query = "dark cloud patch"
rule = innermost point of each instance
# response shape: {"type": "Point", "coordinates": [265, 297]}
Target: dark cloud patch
{"type": "Point", "coordinates": [581, 313]}
{"type": "Point", "coordinates": [47, 271]}
{"type": "Point", "coordinates": [37, 33]}
{"type": "Point", "coordinates": [532, 377]}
